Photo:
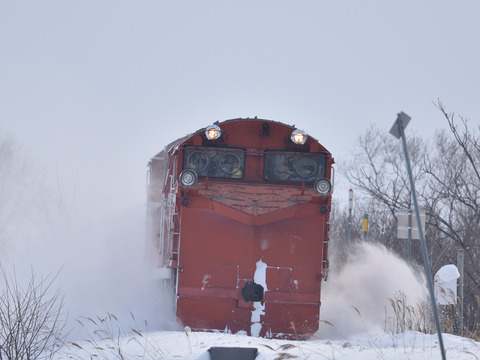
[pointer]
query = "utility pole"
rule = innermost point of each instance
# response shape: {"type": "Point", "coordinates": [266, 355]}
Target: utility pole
{"type": "Point", "coordinates": [397, 130]}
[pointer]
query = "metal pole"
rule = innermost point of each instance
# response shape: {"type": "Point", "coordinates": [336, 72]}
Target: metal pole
{"type": "Point", "coordinates": [349, 227]}
{"type": "Point", "coordinates": [350, 207]}
{"type": "Point", "coordinates": [399, 122]}
{"type": "Point", "coordinates": [409, 244]}
{"type": "Point", "coordinates": [460, 290]}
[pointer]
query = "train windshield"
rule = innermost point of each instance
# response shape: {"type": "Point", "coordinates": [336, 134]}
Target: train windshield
{"type": "Point", "coordinates": [220, 163]}
{"type": "Point", "coordinates": [294, 166]}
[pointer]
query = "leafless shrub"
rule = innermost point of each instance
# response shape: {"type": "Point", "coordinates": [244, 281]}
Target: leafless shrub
{"type": "Point", "coordinates": [32, 321]}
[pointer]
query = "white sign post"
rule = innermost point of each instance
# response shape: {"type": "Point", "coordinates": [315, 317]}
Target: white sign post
{"type": "Point", "coordinates": [408, 228]}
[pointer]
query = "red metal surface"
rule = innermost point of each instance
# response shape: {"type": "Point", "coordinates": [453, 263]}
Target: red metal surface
{"type": "Point", "coordinates": [227, 233]}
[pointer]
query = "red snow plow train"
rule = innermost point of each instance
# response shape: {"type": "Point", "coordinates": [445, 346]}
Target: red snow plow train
{"type": "Point", "coordinates": [238, 219]}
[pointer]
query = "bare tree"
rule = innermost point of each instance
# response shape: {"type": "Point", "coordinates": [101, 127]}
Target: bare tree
{"type": "Point", "coordinates": [447, 179]}
{"type": "Point", "coordinates": [377, 169]}
{"type": "Point", "coordinates": [32, 321]}
{"type": "Point", "coordinates": [31, 207]}
{"type": "Point", "coordinates": [380, 227]}
{"type": "Point", "coordinates": [13, 189]}
{"type": "Point", "coordinates": [454, 171]}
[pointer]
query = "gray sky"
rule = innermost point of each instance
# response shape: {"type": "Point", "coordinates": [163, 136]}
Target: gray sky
{"type": "Point", "coordinates": [93, 89]}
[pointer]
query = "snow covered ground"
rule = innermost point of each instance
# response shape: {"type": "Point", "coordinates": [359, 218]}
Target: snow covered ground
{"type": "Point", "coordinates": [365, 346]}
{"type": "Point", "coordinates": [355, 312]}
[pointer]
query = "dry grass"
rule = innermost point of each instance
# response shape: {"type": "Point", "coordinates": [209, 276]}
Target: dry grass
{"type": "Point", "coordinates": [419, 317]}
{"type": "Point", "coordinates": [408, 317]}
{"type": "Point", "coordinates": [107, 338]}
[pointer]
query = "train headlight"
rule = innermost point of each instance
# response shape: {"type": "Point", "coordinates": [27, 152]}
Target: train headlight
{"type": "Point", "coordinates": [323, 186]}
{"type": "Point", "coordinates": [213, 132]}
{"type": "Point", "coordinates": [299, 137]}
{"type": "Point", "coordinates": [188, 178]}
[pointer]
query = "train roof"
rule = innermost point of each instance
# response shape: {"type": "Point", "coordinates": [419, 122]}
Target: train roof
{"type": "Point", "coordinates": [183, 139]}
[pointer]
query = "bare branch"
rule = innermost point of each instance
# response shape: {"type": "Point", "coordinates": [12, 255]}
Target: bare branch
{"type": "Point", "coordinates": [32, 321]}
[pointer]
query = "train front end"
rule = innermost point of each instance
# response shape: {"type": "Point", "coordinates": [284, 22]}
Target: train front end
{"type": "Point", "coordinates": [239, 218]}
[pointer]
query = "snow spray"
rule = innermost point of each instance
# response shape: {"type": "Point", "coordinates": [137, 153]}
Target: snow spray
{"type": "Point", "coordinates": [356, 296]}
{"type": "Point", "coordinates": [101, 268]}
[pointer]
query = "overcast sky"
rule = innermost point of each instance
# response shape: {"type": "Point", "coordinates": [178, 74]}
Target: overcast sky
{"type": "Point", "coordinates": [93, 89]}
